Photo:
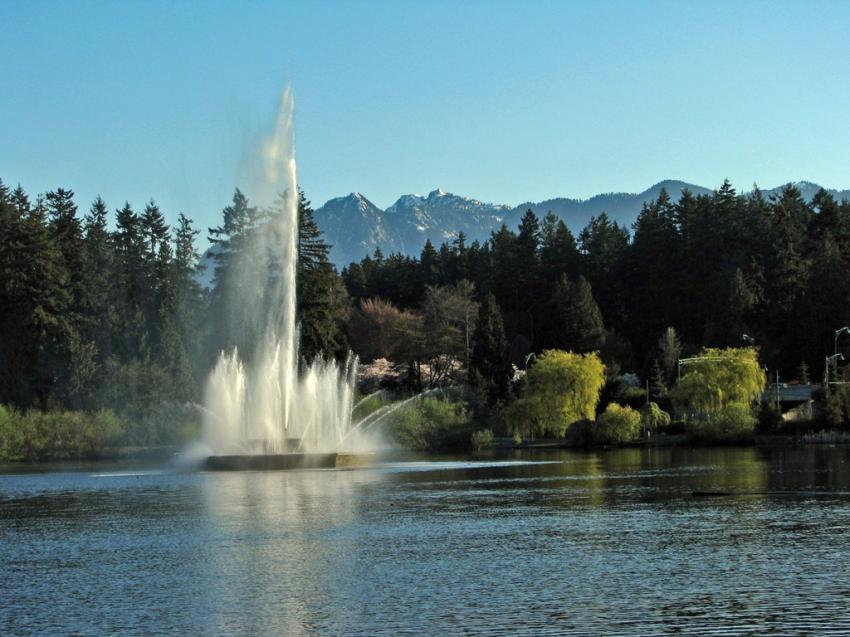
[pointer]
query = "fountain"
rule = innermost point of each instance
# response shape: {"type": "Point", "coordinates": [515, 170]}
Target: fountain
{"type": "Point", "coordinates": [262, 413]}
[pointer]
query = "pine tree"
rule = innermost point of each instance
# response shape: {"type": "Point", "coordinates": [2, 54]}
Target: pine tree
{"type": "Point", "coordinates": [322, 301]}
{"type": "Point", "coordinates": [653, 265]}
{"type": "Point", "coordinates": [428, 265]}
{"type": "Point", "coordinates": [576, 320]}
{"type": "Point", "coordinates": [67, 232]}
{"type": "Point", "coordinates": [131, 339]}
{"type": "Point", "coordinates": [99, 311]}
{"type": "Point", "coordinates": [559, 253]}
{"type": "Point", "coordinates": [230, 302]}
{"type": "Point", "coordinates": [490, 363]}
{"type": "Point", "coordinates": [603, 245]}
{"type": "Point", "coordinates": [34, 324]}
{"type": "Point", "coordinates": [154, 230]}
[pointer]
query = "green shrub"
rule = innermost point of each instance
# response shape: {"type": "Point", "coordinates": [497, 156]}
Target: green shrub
{"type": "Point", "coordinates": [39, 435]}
{"type": "Point", "coordinates": [370, 404]}
{"type": "Point", "coordinates": [482, 438]}
{"type": "Point", "coordinates": [836, 407]}
{"type": "Point", "coordinates": [8, 434]}
{"type": "Point", "coordinates": [617, 425]}
{"type": "Point", "coordinates": [652, 417]}
{"type": "Point", "coordinates": [431, 423]}
{"type": "Point", "coordinates": [733, 423]}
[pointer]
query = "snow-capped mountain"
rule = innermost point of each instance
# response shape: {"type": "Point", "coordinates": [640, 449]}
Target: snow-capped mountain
{"type": "Point", "coordinates": [440, 217]}
{"type": "Point", "coordinates": [354, 226]}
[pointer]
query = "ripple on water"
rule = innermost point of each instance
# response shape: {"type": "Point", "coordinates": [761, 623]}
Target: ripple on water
{"type": "Point", "coordinates": [590, 544]}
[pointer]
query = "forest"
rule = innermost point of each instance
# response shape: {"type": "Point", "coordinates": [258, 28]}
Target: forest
{"type": "Point", "coordinates": [722, 270]}
{"type": "Point", "coordinates": [105, 313]}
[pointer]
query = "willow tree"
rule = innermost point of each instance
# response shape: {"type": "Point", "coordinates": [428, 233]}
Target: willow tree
{"type": "Point", "coordinates": [717, 378]}
{"type": "Point", "coordinates": [562, 387]}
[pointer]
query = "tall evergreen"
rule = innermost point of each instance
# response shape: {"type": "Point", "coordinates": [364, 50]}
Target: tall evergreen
{"type": "Point", "coordinates": [490, 364]}
{"type": "Point", "coordinates": [99, 275]}
{"type": "Point", "coordinates": [559, 253]}
{"type": "Point", "coordinates": [322, 302]}
{"type": "Point", "coordinates": [576, 320]}
{"type": "Point", "coordinates": [35, 330]}
{"type": "Point", "coordinates": [131, 337]}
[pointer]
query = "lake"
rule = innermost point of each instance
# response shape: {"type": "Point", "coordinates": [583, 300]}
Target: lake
{"type": "Point", "coordinates": [529, 543]}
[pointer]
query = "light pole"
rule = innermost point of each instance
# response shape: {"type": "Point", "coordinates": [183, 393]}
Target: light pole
{"type": "Point", "coordinates": [838, 333]}
{"type": "Point", "coordinates": [834, 360]}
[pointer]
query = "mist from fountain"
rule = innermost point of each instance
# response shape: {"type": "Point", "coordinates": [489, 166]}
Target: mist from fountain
{"type": "Point", "coordinates": [263, 404]}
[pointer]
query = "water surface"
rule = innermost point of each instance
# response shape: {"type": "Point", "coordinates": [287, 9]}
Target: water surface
{"type": "Point", "coordinates": [535, 543]}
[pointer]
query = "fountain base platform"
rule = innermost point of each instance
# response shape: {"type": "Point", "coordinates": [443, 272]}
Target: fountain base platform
{"type": "Point", "coordinates": [288, 461]}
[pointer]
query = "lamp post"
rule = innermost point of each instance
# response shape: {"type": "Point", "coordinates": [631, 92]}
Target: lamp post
{"type": "Point", "coordinates": [834, 360]}
{"type": "Point", "coordinates": [838, 333]}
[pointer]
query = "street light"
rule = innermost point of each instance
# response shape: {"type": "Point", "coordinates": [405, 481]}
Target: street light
{"type": "Point", "coordinates": [834, 360]}
{"type": "Point", "coordinates": [748, 339]}
{"type": "Point", "coordinates": [838, 333]}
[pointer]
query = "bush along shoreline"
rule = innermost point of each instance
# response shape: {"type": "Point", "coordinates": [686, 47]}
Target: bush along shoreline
{"type": "Point", "coordinates": [563, 400]}
{"type": "Point", "coordinates": [36, 435]}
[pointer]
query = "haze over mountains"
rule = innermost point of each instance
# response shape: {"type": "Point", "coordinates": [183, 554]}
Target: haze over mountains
{"type": "Point", "coordinates": [354, 226]}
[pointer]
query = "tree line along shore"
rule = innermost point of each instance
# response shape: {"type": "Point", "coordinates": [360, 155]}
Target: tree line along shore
{"type": "Point", "coordinates": [106, 334]}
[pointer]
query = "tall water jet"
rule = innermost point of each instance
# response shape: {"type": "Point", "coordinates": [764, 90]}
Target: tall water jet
{"type": "Point", "coordinates": [262, 405]}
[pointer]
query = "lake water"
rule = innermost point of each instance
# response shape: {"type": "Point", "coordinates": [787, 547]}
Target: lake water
{"type": "Point", "coordinates": [545, 543]}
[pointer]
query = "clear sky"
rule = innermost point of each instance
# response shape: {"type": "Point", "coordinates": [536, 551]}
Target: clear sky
{"type": "Point", "coordinates": [503, 101]}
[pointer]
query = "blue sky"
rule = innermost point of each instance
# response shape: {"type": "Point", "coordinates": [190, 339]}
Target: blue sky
{"type": "Point", "coordinates": [503, 101]}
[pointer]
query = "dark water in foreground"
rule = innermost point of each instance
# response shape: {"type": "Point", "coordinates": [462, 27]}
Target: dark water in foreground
{"type": "Point", "coordinates": [603, 543]}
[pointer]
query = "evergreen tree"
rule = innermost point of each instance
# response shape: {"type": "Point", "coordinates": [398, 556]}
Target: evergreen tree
{"type": "Point", "coordinates": [490, 363]}
{"type": "Point", "coordinates": [154, 230]}
{"type": "Point", "coordinates": [577, 322]}
{"type": "Point", "coordinates": [653, 265]}
{"type": "Point", "coordinates": [34, 326]}
{"type": "Point", "coordinates": [322, 300]}
{"type": "Point", "coordinates": [526, 260]}
{"type": "Point", "coordinates": [604, 245]}
{"type": "Point", "coordinates": [428, 265]}
{"type": "Point", "coordinates": [559, 253]}
{"type": "Point", "coordinates": [230, 300]}
{"type": "Point", "coordinates": [131, 338]}
{"type": "Point", "coordinates": [67, 233]}
{"type": "Point", "coordinates": [189, 297]}
{"type": "Point", "coordinates": [99, 312]}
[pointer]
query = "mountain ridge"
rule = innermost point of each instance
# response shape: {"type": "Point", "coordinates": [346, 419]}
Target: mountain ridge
{"type": "Point", "coordinates": [354, 226]}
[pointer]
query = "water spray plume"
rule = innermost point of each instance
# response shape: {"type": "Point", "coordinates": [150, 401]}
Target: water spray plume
{"type": "Point", "coordinates": [264, 404]}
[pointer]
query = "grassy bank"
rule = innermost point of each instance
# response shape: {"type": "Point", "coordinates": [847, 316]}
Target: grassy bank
{"type": "Point", "coordinates": [35, 435]}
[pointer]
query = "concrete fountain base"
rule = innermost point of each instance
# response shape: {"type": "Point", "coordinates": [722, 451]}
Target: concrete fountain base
{"type": "Point", "coordinates": [288, 461]}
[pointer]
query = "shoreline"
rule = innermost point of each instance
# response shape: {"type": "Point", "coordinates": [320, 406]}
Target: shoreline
{"type": "Point", "coordinates": [166, 452]}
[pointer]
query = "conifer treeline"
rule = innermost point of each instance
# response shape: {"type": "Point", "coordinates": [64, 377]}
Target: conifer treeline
{"type": "Point", "coordinates": [715, 267]}
{"type": "Point", "coordinates": [97, 318]}
{"type": "Point", "coordinates": [91, 317]}
{"type": "Point", "coordinates": [94, 317]}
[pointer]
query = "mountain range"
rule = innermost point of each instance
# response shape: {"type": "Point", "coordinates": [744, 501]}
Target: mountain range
{"type": "Point", "coordinates": [354, 226]}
